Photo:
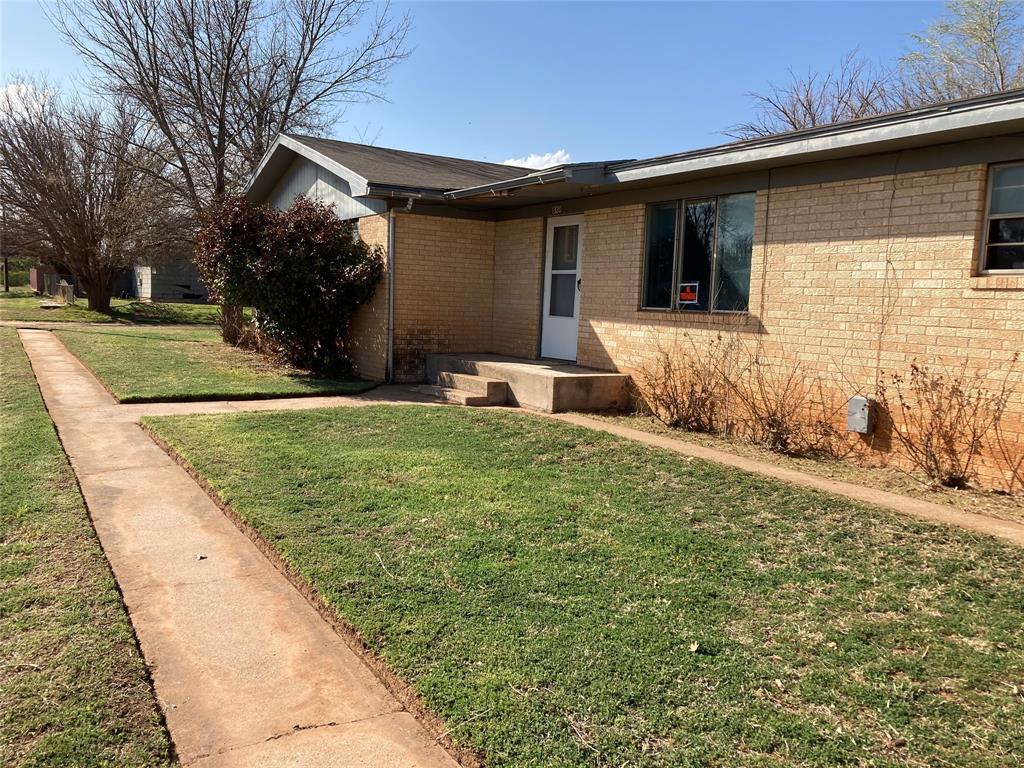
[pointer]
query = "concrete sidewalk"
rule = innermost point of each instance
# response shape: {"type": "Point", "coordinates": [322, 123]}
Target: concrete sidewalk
{"type": "Point", "coordinates": [246, 671]}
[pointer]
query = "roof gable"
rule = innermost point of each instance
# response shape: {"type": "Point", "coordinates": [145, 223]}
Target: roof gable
{"type": "Point", "coordinates": [397, 167]}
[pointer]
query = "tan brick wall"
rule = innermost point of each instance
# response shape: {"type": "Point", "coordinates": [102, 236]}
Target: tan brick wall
{"type": "Point", "coordinates": [368, 332]}
{"type": "Point", "coordinates": [851, 278]}
{"type": "Point", "coordinates": [518, 275]}
{"type": "Point", "coordinates": [444, 281]}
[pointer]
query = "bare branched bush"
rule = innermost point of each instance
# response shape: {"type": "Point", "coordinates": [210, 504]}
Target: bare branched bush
{"type": "Point", "coordinates": [1011, 456]}
{"type": "Point", "coordinates": [784, 408]}
{"type": "Point", "coordinates": [685, 385]}
{"type": "Point", "coordinates": [720, 387]}
{"type": "Point", "coordinates": [944, 420]}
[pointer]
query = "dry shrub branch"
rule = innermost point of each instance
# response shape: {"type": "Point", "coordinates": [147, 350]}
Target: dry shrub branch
{"type": "Point", "coordinates": [719, 386]}
{"type": "Point", "coordinates": [786, 408]}
{"type": "Point", "coordinates": [943, 420]}
{"type": "Point", "coordinates": [685, 385]}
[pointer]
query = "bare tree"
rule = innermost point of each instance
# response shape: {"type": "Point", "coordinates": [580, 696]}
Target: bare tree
{"type": "Point", "coordinates": [77, 189]}
{"type": "Point", "coordinates": [856, 88]}
{"type": "Point", "coordinates": [977, 48]}
{"type": "Point", "coordinates": [219, 79]}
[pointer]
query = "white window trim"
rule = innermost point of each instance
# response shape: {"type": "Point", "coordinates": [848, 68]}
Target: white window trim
{"type": "Point", "coordinates": [983, 251]}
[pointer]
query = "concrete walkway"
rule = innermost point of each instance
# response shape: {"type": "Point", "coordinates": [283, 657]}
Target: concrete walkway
{"type": "Point", "coordinates": [246, 671]}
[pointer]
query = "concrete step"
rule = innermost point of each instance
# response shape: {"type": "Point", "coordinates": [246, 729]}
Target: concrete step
{"type": "Point", "coordinates": [495, 390]}
{"type": "Point", "coordinates": [544, 385]}
{"type": "Point", "coordinates": [449, 395]}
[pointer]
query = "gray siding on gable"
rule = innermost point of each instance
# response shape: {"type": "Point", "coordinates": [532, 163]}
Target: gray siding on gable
{"type": "Point", "coordinates": [304, 177]}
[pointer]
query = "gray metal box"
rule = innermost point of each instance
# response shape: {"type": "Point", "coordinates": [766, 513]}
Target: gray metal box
{"type": "Point", "coordinates": [859, 415]}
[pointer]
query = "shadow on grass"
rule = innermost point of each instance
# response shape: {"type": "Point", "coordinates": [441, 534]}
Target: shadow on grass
{"type": "Point", "coordinates": [322, 389]}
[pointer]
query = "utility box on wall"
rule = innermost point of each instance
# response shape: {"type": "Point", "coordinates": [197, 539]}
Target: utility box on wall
{"type": "Point", "coordinates": [859, 415]}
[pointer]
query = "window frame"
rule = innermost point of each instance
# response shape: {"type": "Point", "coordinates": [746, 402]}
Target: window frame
{"type": "Point", "coordinates": [677, 255]}
{"type": "Point", "coordinates": [981, 267]}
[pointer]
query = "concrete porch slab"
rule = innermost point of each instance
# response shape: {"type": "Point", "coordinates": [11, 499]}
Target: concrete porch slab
{"type": "Point", "coordinates": [543, 385]}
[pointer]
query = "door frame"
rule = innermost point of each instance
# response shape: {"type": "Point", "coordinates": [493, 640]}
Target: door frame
{"type": "Point", "coordinates": [545, 298]}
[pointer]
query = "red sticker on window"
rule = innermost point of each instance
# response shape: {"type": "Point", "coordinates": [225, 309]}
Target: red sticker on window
{"type": "Point", "coordinates": [688, 293]}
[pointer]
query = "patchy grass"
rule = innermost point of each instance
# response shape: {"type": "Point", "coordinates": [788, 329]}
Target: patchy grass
{"type": "Point", "coordinates": [564, 597]}
{"type": "Point", "coordinates": [145, 365]}
{"type": "Point", "coordinates": [73, 688]}
{"type": "Point", "coordinates": [890, 479]}
{"type": "Point", "coordinates": [22, 305]}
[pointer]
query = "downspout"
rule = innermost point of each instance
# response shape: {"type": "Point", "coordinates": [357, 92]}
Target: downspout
{"type": "Point", "coordinates": [390, 369]}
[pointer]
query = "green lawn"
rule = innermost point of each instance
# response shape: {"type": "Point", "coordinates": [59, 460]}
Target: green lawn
{"type": "Point", "coordinates": [20, 304]}
{"type": "Point", "coordinates": [564, 597]}
{"type": "Point", "coordinates": [147, 364]}
{"type": "Point", "coordinates": [73, 688]}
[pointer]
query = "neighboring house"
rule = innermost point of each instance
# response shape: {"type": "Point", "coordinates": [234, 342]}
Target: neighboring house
{"type": "Point", "coordinates": [852, 249]}
{"type": "Point", "coordinates": [170, 279]}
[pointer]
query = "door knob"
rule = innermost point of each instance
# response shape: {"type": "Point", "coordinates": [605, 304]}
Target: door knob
{"type": "Point", "coordinates": [579, 284]}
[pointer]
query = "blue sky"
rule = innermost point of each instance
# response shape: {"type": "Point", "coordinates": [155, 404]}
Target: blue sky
{"type": "Point", "coordinates": [606, 80]}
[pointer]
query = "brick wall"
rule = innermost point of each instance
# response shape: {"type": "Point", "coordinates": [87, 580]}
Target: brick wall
{"type": "Point", "coordinates": [444, 281]}
{"type": "Point", "coordinates": [368, 332]}
{"type": "Point", "coordinates": [518, 275]}
{"type": "Point", "coordinates": [851, 278]}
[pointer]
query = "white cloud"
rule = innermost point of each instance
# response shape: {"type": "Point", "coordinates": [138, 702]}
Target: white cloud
{"type": "Point", "coordinates": [548, 159]}
{"type": "Point", "coordinates": [19, 98]}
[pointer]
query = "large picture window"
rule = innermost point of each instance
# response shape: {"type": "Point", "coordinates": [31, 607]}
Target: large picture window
{"type": "Point", "coordinates": [1004, 225]}
{"type": "Point", "coordinates": [698, 254]}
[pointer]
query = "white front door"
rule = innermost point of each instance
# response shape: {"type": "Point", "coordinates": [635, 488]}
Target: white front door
{"type": "Point", "coordinates": [563, 279]}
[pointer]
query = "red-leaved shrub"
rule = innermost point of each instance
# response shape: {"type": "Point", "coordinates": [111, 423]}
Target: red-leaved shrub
{"type": "Point", "coordinates": [304, 272]}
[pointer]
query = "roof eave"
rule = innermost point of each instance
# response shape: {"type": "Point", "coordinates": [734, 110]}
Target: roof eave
{"type": "Point", "coordinates": [869, 136]}
{"type": "Point", "coordinates": [261, 187]}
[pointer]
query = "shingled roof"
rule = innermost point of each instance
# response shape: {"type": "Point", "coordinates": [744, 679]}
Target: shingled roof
{"type": "Point", "coordinates": [380, 165]}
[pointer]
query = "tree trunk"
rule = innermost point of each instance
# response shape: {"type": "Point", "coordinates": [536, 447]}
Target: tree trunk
{"type": "Point", "coordinates": [99, 288]}
{"type": "Point", "coordinates": [7, 277]}
{"type": "Point", "coordinates": [231, 322]}
{"type": "Point", "coordinates": [99, 297]}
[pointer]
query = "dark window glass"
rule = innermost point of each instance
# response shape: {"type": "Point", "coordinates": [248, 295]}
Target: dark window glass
{"type": "Point", "coordinates": [698, 245]}
{"type": "Point", "coordinates": [1006, 231]}
{"type": "Point", "coordinates": [1005, 257]}
{"type": "Point", "coordinates": [1004, 236]}
{"type": "Point", "coordinates": [564, 250]}
{"type": "Point", "coordinates": [661, 244]}
{"type": "Point", "coordinates": [563, 295]}
{"type": "Point", "coordinates": [734, 245]}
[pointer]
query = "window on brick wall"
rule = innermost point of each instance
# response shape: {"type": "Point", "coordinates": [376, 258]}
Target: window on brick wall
{"type": "Point", "coordinates": [698, 254]}
{"type": "Point", "coordinates": [1004, 224]}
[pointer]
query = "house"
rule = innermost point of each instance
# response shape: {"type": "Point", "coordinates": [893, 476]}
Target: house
{"type": "Point", "coordinates": [176, 280]}
{"type": "Point", "coordinates": [852, 249]}
{"type": "Point", "coordinates": [171, 277]}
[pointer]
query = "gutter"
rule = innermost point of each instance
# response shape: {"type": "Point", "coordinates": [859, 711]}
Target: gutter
{"type": "Point", "coordinates": [541, 177]}
{"type": "Point", "coordinates": [592, 174]}
{"type": "Point", "coordinates": [405, 193]}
